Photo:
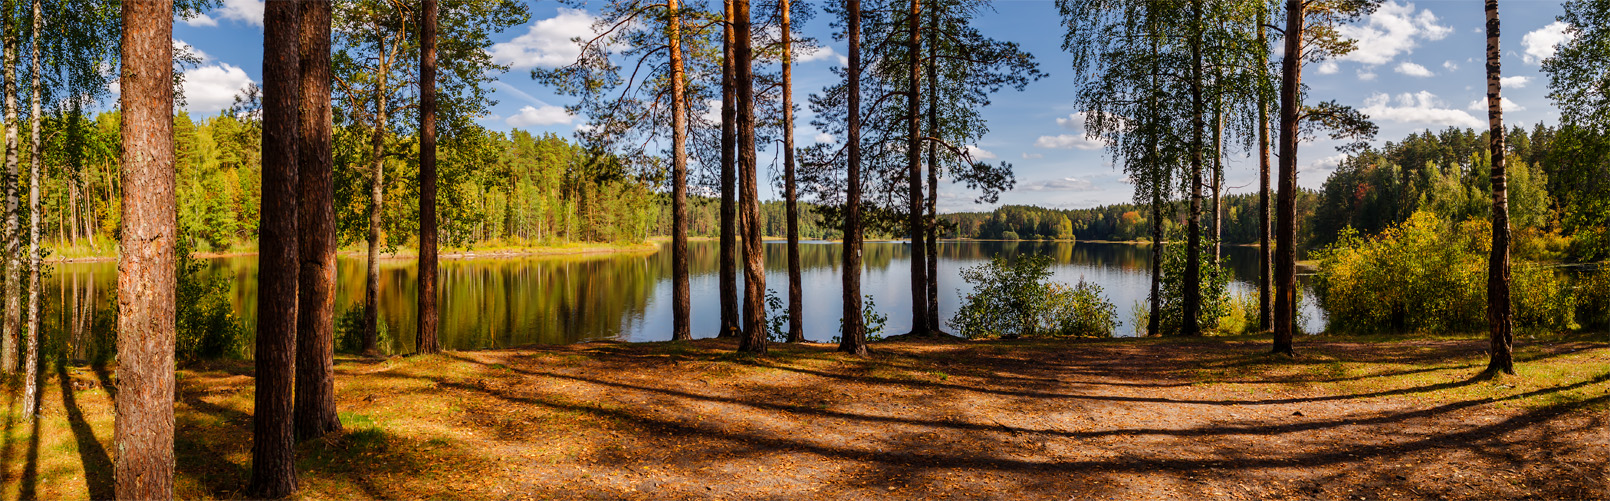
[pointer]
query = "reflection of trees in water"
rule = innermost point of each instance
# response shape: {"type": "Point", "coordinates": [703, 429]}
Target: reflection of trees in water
{"type": "Point", "coordinates": [78, 312]}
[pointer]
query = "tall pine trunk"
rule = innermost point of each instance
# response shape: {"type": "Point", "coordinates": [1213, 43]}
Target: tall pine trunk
{"type": "Point", "coordinates": [315, 309]}
{"type": "Point", "coordinates": [931, 226]}
{"type": "Point", "coordinates": [914, 221]}
{"type": "Point", "coordinates": [425, 333]}
{"type": "Point", "coordinates": [30, 359]}
{"type": "Point", "coordinates": [796, 304]}
{"type": "Point", "coordinates": [273, 427]}
{"type": "Point", "coordinates": [1193, 244]}
{"type": "Point", "coordinates": [729, 178]}
{"type": "Point", "coordinates": [681, 300]}
{"type": "Point", "coordinates": [1500, 312]}
{"type": "Point", "coordinates": [853, 334]}
{"type": "Point", "coordinates": [1265, 298]}
{"type": "Point", "coordinates": [143, 428]}
{"type": "Point", "coordinates": [371, 289]}
{"type": "Point", "coordinates": [1291, 72]}
{"type": "Point", "coordinates": [754, 313]}
{"type": "Point", "coordinates": [11, 325]}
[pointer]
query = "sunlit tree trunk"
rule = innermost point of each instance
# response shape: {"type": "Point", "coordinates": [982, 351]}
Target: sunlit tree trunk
{"type": "Point", "coordinates": [1286, 204]}
{"type": "Point", "coordinates": [914, 222]}
{"type": "Point", "coordinates": [729, 178]}
{"type": "Point", "coordinates": [1500, 312]}
{"type": "Point", "coordinates": [853, 338]}
{"type": "Point", "coordinates": [796, 306]}
{"type": "Point", "coordinates": [1265, 298]}
{"type": "Point", "coordinates": [371, 290]}
{"type": "Point", "coordinates": [1218, 181]}
{"type": "Point", "coordinates": [142, 431]}
{"type": "Point", "coordinates": [31, 357]}
{"type": "Point", "coordinates": [315, 329]}
{"type": "Point", "coordinates": [754, 303]}
{"type": "Point", "coordinates": [11, 324]}
{"type": "Point", "coordinates": [681, 300]}
{"type": "Point", "coordinates": [273, 427]}
{"type": "Point", "coordinates": [425, 333]}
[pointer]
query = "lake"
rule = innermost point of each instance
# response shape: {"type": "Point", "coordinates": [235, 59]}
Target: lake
{"type": "Point", "coordinates": [496, 302]}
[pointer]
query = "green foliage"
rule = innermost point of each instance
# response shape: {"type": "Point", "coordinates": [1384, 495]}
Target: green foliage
{"type": "Point", "coordinates": [1214, 284]}
{"type": "Point", "coordinates": [349, 332]}
{"type": "Point", "coordinates": [1427, 275]}
{"type": "Point", "coordinates": [776, 317]}
{"type": "Point", "coordinates": [1013, 299]}
{"type": "Point", "coordinates": [870, 319]}
{"type": "Point", "coordinates": [1593, 293]}
{"type": "Point", "coordinates": [206, 323]}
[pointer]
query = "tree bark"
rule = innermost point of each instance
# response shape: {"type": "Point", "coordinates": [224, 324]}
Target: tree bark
{"type": "Point", "coordinates": [273, 438]}
{"type": "Point", "coordinates": [1500, 312]}
{"type": "Point", "coordinates": [1286, 204]}
{"type": "Point", "coordinates": [12, 322]}
{"type": "Point", "coordinates": [30, 359]}
{"type": "Point", "coordinates": [371, 290]}
{"type": "Point", "coordinates": [681, 300]}
{"type": "Point", "coordinates": [729, 176]}
{"type": "Point", "coordinates": [754, 312]}
{"type": "Point", "coordinates": [1218, 180]}
{"type": "Point", "coordinates": [931, 222]}
{"type": "Point", "coordinates": [425, 334]}
{"type": "Point", "coordinates": [1193, 244]}
{"type": "Point", "coordinates": [852, 338]}
{"type": "Point", "coordinates": [1265, 298]}
{"type": "Point", "coordinates": [796, 305]}
{"type": "Point", "coordinates": [142, 467]}
{"type": "Point", "coordinates": [914, 226]}
{"type": "Point", "coordinates": [315, 331]}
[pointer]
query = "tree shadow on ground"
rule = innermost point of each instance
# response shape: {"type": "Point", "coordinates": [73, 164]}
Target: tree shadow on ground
{"type": "Point", "coordinates": [97, 463]}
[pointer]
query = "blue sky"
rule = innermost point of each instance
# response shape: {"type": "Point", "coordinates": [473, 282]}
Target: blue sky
{"type": "Point", "coordinates": [1419, 66]}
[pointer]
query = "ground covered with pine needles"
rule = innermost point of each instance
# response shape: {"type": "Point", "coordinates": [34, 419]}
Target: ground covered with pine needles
{"type": "Point", "coordinates": [1384, 417]}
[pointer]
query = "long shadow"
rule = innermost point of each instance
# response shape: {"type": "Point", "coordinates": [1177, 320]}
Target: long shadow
{"type": "Point", "coordinates": [1468, 439]}
{"type": "Point", "coordinates": [97, 463]}
{"type": "Point", "coordinates": [1195, 432]}
{"type": "Point", "coordinates": [6, 444]}
{"type": "Point", "coordinates": [30, 468]}
{"type": "Point", "coordinates": [191, 455]}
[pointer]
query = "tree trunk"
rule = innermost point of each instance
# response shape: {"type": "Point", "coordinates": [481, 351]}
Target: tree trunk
{"type": "Point", "coordinates": [273, 438]}
{"type": "Point", "coordinates": [754, 304]}
{"type": "Point", "coordinates": [425, 334]}
{"type": "Point", "coordinates": [1156, 297]}
{"type": "Point", "coordinates": [142, 432]}
{"type": "Point", "coordinates": [932, 218]}
{"type": "Point", "coordinates": [729, 176]}
{"type": "Point", "coordinates": [852, 338]}
{"type": "Point", "coordinates": [1286, 204]}
{"type": "Point", "coordinates": [796, 302]}
{"type": "Point", "coordinates": [1500, 312]}
{"type": "Point", "coordinates": [30, 359]}
{"type": "Point", "coordinates": [681, 300]}
{"type": "Point", "coordinates": [1218, 181]}
{"type": "Point", "coordinates": [371, 291]}
{"type": "Point", "coordinates": [11, 324]}
{"type": "Point", "coordinates": [315, 311]}
{"type": "Point", "coordinates": [1193, 244]}
{"type": "Point", "coordinates": [1265, 298]}
{"type": "Point", "coordinates": [914, 226]}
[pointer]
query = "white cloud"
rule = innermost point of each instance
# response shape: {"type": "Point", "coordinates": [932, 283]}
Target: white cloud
{"type": "Point", "coordinates": [1069, 141]}
{"type": "Point", "coordinates": [712, 111]}
{"type": "Point", "coordinates": [1325, 164]}
{"type": "Point", "coordinates": [1393, 29]}
{"type": "Point", "coordinates": [1480, 105]}
{"type": "Point", "coordinates": [1541, 43]}
{"type": "Point", "coordinates": [1064, 184]}
{"type": "Point", "coordinates": [201, 21]}
{"type": "Point", "coordinates": [546, 115]}
{"type": "Point", "coordinates": [811, 54]}
{"type": "Point", "coordinates": [245, 11]}
{"type": "Point", "coordinates": [823, 137]}
{"type": "Point", "coordinates": [547, 43]}
{"type": "Point", "coordinates": [1515, 82]}
{"type": "Point", "coordinates": [1417, 108]}
{"type": "Point", "coordinates": [212, 88]}
{"type": "Point", "coordinates": [1413, 70]}
{"type": "Point", "coordinates": [1366, 75]}
{"type": "Point", "coordinates": [980, 153]}
{"type": "Point", "coordinates": [1329, 68]}
{"type": "Point", "coordinates": [1032, 156]}
{"type": "Point", "coordinates": [182, 46]}
{"type": "Point", "coordinates": [1450, 65]}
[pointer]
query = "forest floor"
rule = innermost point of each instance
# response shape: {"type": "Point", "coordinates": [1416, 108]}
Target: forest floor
{"type": "Point", "coordinates": [1355, 418]}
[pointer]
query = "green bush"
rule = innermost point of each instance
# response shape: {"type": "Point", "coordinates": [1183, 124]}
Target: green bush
{"type": "Point", "coordinates": [1013, 298]}
{"type": "Point", "coordinates": [1428, 275]}
{"type": "Point", "coordinates": [1214, 286]}
{"type": "Point", "coordinates": [1593, 293]}
{"type": "Point", "coordinates": [349, 332]}
{"type": "Point", "coordinates": [1009, 235]}
{"type": "Point", "coordinates": [206, 323]}
{"type": "Point", "coordinates": [871, 320]}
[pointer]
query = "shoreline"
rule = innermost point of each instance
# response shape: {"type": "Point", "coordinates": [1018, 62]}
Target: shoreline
{"type": "Point", "coordinates": [408, 253]}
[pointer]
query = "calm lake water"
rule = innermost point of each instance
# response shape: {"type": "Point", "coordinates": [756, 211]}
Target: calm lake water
{"type": "Point", "coordinates": [498, 302]}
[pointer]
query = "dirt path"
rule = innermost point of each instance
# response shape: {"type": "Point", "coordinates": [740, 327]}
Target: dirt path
{"type": "Point", "coordinates": [999, 420]}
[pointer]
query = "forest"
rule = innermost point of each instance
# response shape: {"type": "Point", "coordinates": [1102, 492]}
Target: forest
{"type": "Point", "coordinates": [358, 279]}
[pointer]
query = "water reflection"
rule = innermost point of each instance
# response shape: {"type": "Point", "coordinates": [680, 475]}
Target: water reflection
{"type": "Point", "coordinates": [508, 301]}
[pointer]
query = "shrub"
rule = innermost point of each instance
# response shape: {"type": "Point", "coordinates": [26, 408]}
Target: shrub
{"type": "Point", "coordinates": [1214, 286]}
{"type": "Point", "coordinates": [349, 332]}
{"type": "Point", "coordinates": [1009, 235]}
{"type": "Point", "coordinates": [1013, 299]}
{"type": "Point", "coordinates": [206, 325]}
{"type": "Point", "coordinates": [871, 320]}
{"type": "Point", "coordinates": [1593, 293]}
{"type": "Point", "coordinates": [1427, 275]}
